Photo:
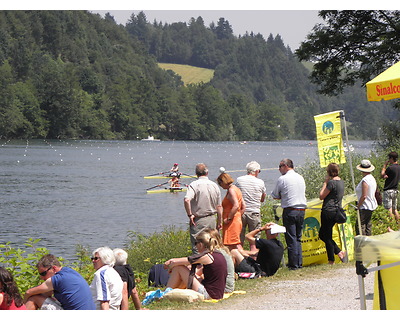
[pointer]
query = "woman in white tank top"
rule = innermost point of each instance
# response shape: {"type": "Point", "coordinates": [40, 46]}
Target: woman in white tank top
{"type": "Point", "coordinates": [365, 191]}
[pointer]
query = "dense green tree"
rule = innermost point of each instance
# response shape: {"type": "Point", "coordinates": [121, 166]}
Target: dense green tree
{"type": "Point", "coordinates": [244, 117]}
{"type": "Point", "coordinates": [11, 118]}
{"type": "Point", "coordinates": [70, 74]}
{"type": "Point", "coordinates": [33, 122]}
{"type": "Point", "coordinates": [350, 46]}
{"type": "Point", "coordinates": [223, 30]}
{"type": "Point", "coordinates": [212, 110]}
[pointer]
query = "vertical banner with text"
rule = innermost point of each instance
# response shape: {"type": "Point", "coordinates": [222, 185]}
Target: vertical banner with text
{"type": "Point", "coordinates": [329, 137]}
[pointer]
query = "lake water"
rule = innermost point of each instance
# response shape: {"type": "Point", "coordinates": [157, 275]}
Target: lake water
{"type": "Point", "coordinates": [93, 192]}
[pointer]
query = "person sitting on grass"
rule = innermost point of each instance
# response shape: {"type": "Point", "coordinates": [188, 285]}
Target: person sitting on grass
{"type": "Point", "coordinates": [107, 284]}
{"type": "Point", "coordinates": [128, 278]}
{"type": "Point", "coordinates": [211, 283]}
{"type": "Point", "coordinates": [266, 259]}
{"type": "Point", "coordinates": [10, 298]}
{"type": "Point", "coordinates": [230, 278]}
{"type": "Point", "coordinates": [71, 291]}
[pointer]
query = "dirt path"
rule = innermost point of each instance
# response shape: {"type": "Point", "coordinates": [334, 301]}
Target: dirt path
{"type": "Point", "coordinates": [337, 289]}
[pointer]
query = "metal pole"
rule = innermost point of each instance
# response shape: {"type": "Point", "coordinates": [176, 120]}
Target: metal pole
{"type": "Point", "coordinates": [344, 242]}
{"type": "Point", "coordinates": [348, 147]}
{"type": "Point", "coordinates": [361, 287]}
{"type": "Point", "coordinates": [351, 166]}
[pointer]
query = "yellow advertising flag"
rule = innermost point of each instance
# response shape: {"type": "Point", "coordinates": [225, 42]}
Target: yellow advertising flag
{"type": "Point", "coordinates": [329, 137]}
{"type": "Point", "coordinates": [313, 248]}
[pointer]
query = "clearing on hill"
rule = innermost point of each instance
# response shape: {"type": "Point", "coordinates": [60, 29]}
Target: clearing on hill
{"type": "Point", "coordinates": [188, 73]}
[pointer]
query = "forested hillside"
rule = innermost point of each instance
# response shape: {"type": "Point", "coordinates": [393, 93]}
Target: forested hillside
{"type": "Point", "coordinates": [73, 74]}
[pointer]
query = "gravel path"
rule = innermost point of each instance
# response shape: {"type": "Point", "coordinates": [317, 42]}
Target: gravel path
{"type": "Point", "coordinates": [336, 289]}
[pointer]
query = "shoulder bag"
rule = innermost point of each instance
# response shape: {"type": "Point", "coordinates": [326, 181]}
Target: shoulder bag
{"type": "Point", "coordinates": [341, 216]}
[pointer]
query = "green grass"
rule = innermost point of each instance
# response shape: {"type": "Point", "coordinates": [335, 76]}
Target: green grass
{"type": "Point", "coordinates": [148, 248]}
{"type": "Point", "coordinates": [253, 288]}
{"type": "Point", "coordinates": [189, 74]}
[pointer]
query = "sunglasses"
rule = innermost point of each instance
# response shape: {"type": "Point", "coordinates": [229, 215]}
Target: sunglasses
{"type": "Point", "coordinates": [282, 165]}
{"type": "Point", "coordinates": [42, 274]}
{"type": "Point", "coordinates": [94, 258]}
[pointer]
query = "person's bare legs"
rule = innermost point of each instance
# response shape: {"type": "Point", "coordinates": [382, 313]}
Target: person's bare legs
{"type": "Point", "coordinates": [236, 256]}
{"type": "Point", "coordinates": [396, 215]}
{"type": "Point", "coordinates": [235, 246]}
{"type": "Point", "coordinates": [178, 278]}
{"type": "Point", "coordinates": [35, 302]}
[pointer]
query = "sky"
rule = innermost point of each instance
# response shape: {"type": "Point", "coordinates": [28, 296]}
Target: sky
{"type": "Point", "coordinates": [292, 25]}
{"type": "Point", "coordinates": [292, 20]}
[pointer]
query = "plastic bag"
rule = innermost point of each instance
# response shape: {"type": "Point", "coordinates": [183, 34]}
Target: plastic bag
{"type": "Point", "coordinates": [153, 295]}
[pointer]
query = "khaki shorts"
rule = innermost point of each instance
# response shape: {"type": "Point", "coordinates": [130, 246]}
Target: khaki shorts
{"type": "Point", "coordinates": [251, 220]}
{"type": "Point", "coordinates": [51, 304]}
{"type": "Point", "coordinates": [390, 199]}
{"type": "Point", "coordinates": [203, 291]}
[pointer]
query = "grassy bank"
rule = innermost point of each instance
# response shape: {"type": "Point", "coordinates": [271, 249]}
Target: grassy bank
{"type": "Point", "coordinates": [144, 251]}
{"type": "Point", "coordinates": [147, 250]}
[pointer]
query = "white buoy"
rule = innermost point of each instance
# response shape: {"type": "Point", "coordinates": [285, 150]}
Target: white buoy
{"type": "Point", "coordinates": [222, 170]}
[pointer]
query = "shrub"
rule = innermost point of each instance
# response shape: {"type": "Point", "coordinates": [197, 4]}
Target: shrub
{"type": "Point", "coordinates": [22, 263]}
{"type": "Point", "coordinates": [146, 250]}
{"type": "Point", "coordinates": [84, 265]}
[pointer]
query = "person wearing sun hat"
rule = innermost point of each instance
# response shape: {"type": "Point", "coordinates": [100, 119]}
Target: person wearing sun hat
{"type": "Point", "coordinates": [365, 191]}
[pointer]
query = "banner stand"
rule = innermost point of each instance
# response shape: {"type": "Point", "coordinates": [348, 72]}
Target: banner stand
{"type": "Point", "coordinates": [361, 285]}
{"type": "Point", "coordinates": [342, 116]}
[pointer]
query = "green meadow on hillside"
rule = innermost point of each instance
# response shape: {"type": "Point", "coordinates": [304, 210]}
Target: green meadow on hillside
{"type": "Point", "coordinates": [189, 74]}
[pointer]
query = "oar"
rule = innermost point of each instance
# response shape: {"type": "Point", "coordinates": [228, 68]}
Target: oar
{"type": "Point", "coordinates": [155, 174]}
{"type": "Point", "coordinates": [159, 185]}
{"type": "Point", "coordinates": [189, 175]}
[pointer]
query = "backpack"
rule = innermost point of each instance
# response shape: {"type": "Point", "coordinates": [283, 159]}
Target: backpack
{"type": "Point", "coordinates": [158, 276]}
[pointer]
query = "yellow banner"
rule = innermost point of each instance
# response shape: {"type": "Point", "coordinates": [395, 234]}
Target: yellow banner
{"type": "Point", "coordinates": [329, 137]}
{"type": "Point", "coordinates": [390, 283]}
{"type": "Point", "coordinates": [314, 250]}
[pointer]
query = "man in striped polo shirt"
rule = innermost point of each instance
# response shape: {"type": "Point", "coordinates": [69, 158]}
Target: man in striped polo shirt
{"type": "Point", "coordinates": [254, 192]}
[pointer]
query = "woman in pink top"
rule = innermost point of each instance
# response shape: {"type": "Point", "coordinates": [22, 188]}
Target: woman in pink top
{"type": "Point", "coordinates": [10, 299]}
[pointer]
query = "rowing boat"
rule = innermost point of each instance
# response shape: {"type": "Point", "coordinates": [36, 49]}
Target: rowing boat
{"type": "Point", "coordinates": [169, 177]}
{"type": "Point", "coordinates": [165, 190]}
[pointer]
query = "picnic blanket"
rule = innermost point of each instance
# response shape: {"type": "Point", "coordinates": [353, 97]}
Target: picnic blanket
{"type": "Point", "coordinates": [226, 296]}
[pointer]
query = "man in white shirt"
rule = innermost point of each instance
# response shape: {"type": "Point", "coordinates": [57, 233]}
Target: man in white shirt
{"type": "Point", "coordinates": [254, 192]}
{"type": "Point", "coordinates": [202, 202]}
{"type": "Point", "coordinates": [107, 284]}
{"type": "Point", "coordinates": [290, 189]}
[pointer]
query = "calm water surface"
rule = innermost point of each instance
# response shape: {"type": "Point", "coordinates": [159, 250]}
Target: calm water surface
{"type": "Point", "coordinates": [93, 192]}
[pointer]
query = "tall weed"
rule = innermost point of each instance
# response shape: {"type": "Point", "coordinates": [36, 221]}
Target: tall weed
{"type": "Point", "coordinates": [146, 250]}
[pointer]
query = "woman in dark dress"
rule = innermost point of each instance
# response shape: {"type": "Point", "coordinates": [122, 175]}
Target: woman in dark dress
{"type": "Point", "coordinates": [332, 192]}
